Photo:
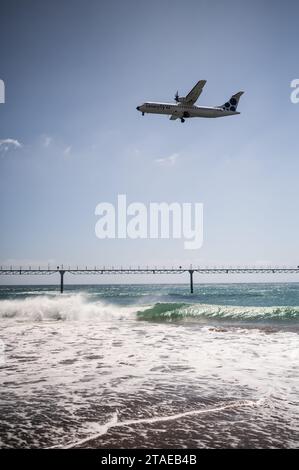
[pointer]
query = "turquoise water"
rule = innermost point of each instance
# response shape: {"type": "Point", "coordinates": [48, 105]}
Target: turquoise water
{"type": "Point", "coordinates": [149, 366]}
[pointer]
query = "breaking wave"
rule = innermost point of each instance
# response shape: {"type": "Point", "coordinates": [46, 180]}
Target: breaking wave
{"type": "Point", "coordinates": [69, 307]}
{"type": "Point", "coordinates": [180, 311]}
{"type": "Point", "coordinates": [84, 307]}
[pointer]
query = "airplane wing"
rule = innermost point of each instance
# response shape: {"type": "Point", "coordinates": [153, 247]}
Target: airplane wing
{"type": "Point", "coordinates": [194, 94]}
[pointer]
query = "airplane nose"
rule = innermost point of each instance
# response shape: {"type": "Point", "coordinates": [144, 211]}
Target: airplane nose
{"type": "Point", "coordinates": [138, 108]}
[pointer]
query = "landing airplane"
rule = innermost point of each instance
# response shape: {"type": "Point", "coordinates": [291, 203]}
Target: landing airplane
{"type": "Point", "coordinates": [185, 106]}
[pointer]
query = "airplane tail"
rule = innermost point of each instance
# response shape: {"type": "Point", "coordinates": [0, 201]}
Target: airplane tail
{"type": "Point", "coordinates": [232, 104]}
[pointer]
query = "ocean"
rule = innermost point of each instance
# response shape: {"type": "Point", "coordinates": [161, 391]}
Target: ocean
{"type": "Point", "coordinates": [150, 366]}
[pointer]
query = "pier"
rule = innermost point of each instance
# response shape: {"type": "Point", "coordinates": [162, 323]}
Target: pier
{"type": "Point", "coordinates": [11, 271]}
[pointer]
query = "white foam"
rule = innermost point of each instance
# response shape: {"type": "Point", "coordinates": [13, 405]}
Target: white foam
{"type": "Point", "coordinates": [114, 423]}
{"type": "Point", "coordinates": [62, 307]}
{"type": "Point", "coordinates": [73, 363]}
{"type": "Point", "coordinates": [231, 312]}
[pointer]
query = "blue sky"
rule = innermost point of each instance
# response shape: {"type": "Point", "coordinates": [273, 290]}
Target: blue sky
{"type": "Point", "coordinates": [74, 73]}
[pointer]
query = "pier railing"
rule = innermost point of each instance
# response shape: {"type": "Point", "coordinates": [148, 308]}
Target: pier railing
{"type": "Point", "coordinates": [143, 270]}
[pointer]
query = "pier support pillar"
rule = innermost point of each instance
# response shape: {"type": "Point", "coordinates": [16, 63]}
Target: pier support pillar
{"type": "Point", "coordinates": [191, 280]}
{"type": "Point", "coordinates": [61, 280]}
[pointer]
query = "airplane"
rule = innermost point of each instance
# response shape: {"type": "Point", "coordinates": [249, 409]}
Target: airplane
{"type": "Point", "coordinates": [185, 106]}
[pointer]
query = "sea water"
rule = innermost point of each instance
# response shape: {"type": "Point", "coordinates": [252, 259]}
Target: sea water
{"type": "Point", "coordinates": [113, 366]}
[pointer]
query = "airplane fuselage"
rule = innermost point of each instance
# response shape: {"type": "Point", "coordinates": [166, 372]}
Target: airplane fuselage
{"type": "Point", "coordinates": [181, 110]}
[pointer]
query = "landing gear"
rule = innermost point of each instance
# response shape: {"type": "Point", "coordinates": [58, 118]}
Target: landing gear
{"type": "Point", "coordinates": [142, 114]}
{"type": "Point", "coordinates": [182, 120]}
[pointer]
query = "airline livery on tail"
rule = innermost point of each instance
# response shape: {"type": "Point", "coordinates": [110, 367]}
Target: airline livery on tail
{"type": "Point", "coordinates": [185, 106]}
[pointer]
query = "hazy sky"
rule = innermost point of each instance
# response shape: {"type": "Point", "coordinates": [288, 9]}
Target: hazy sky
{"type": "Point", "coordinates": [75, 70]}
